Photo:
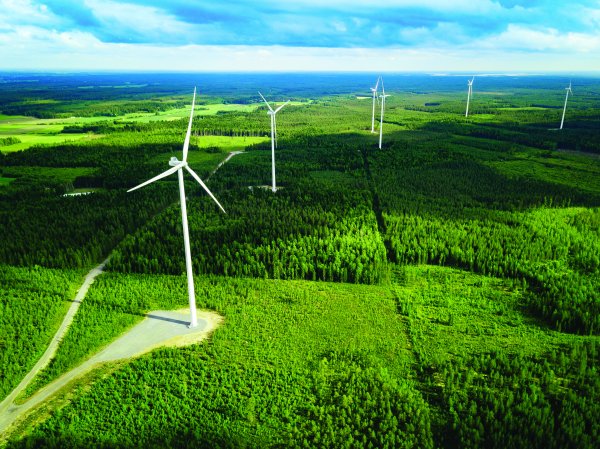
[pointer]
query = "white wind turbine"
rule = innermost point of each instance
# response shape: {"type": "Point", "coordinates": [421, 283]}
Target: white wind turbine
{"type": "Point", "coordinates": [569, 91]}
{"type": "Point", "coordinates": [374, 90]}
{"type": "Point", "coordinates": [178, 166]}
{"type": "Point", "coordinates": [272, 113]}
{"type": "Point", "coordinates": [469, 95]}
{"type": "Point", "coordinates": [383, 96]}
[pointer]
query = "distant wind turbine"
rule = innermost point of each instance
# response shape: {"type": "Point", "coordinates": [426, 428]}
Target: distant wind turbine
{"type": "Point", "coordinates": [383, 96]}
{"type": "Point", "coordinates": [178, 166]}
{"type": "Point", "coordinates": [272, 113]}
{"type": "Point", "coordinates": [469, 95]}
{"type": "Point", "coordinates": [569, 91]}
{"type": "Point", "coordinates": [374, 90]}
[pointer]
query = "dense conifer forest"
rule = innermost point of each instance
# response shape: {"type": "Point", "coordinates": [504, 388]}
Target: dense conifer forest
{"type": "Point", "coordinates": [442, 291]}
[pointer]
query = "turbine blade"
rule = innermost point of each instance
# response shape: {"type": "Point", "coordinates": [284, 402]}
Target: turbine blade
{"type": "Point", "coordinates": [279, 108]}
{"type": "Point", "coordinates": [186, 144]}
{"type": "Point", "coordinates": [193, 173]}
{"type": "Point", "coordinates": [268, 105]}
{"type": "Point", "coordinates": [377, 84]}
{"type": "Point", "coordinates": [157, 177]}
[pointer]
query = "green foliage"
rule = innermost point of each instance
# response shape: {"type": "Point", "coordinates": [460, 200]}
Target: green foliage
{"type": "Point", "coordinates": [251, 385]}
{"type": "Point", "coordinates": [359, 406]}
{"type": "Point", "coordinates": [468, 357]}
{"type": "Point", "coordinates": [9, 141]}
{"type": "Point", "coordinates": [283, 236]}
{"type": "Point", "coordinates": [70, 231]}
{"type": "Point", "coordinates": [32, 304]}
{"type": "Point", "coordinates": [497, 402]}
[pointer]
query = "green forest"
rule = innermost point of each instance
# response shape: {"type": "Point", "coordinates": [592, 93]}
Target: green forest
{"type": "Point", "coordinates": [439, 292]}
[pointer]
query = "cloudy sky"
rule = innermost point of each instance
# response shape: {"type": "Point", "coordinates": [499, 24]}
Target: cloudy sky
{"type": "Point", "coordinates": [301, 35]}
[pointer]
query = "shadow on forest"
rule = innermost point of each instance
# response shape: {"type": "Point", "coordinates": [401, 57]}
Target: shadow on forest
{"type": "Point", "coordinates": [191, 439]}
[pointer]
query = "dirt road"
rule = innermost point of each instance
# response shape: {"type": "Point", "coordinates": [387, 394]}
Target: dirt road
{"type": "Point", "coordinates": [159, 328]}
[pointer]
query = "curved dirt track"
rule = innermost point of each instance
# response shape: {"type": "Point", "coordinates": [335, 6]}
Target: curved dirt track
{"type": "Point", "coordinates": [159, 328]}
{"type": "Point", "coordinates": [145, 336]}
{"type": "Point", "coordinates": [58, 336]}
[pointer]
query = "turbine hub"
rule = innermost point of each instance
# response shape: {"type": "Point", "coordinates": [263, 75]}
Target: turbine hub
{"type": "Point", "coordinates": [173, 161]}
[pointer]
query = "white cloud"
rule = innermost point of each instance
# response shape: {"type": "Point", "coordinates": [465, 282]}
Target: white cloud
{"type": "Point", "coordinates": [31, 38]}
{"type": "Point", "coordinates": [520, 38]}
{"type": "Point", "coordinates": [138, 19]}
{"type": "Point", "coordinates": [339, 26]}
{"type": "Point", "coordinates": [26, 12]}
{"type": "Point", "coordinates": [470, 6]}
{"type": "Point", "coordinates": [59, 51]}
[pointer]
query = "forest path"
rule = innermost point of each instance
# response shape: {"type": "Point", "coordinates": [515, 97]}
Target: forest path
{"type": "Point", "coordinates": [145, 338]}
{"type": "Point", "coordinates": [58, 336]}
{"type": "Point", "coordinates": [159, 328]}
{"type": "Point", "coordinates": [233, 153]}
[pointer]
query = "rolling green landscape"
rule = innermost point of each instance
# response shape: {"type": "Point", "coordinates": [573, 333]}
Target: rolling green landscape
{"type": "Point", "coordinates": [440, 292]}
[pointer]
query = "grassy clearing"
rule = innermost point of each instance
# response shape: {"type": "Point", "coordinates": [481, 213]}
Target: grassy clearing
{"type": "Point", "coordinates": [59, 175]}
{"type": "Point", "coordinates": [571, 170]}
{"type": "Point", "coordinates": [454, 312]}
{"type": "Point", "coordinates": [524, 108]}
{"type": "Point", "coordinates": [179, 113]}
{"type": "Point", "coordinates": [31, 131]}
{"type": "Point", "coordinates": [30, 140]}
{"type": "Point", "coordinates": [5, 181]}
{"type": "Point", "coordinates": [208, 160]}
{"type": "Point", "coordinates": [269, 323]}
{"type": "Point", "coordinates": [227, 143]}
{"type": "Point", "coordinates": [199, 160]}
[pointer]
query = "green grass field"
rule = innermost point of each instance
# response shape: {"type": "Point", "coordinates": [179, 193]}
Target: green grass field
{"type": "Point", "coordinates": [60, 175]}
{"type": "Point", "coordinates": [30, 140]}
{"type": "Point", "coordinates": [32, 131]}
{"type": "Point", "coordinates": [5, 181]}
{"type": "Point", "coordinates": [227, 143]}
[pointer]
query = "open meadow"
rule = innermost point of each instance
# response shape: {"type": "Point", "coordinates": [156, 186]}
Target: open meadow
{"type": "Point", "coordinates": [439, 292]}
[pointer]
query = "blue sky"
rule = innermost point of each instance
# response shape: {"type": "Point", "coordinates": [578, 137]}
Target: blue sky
{"type": "Point", "coordinates": [303, 35]}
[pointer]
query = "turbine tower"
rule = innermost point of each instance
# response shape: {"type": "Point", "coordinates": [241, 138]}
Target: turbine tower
{"type": "Point", "coordinates": [569, 91]}
{"type": "Point", "coordinates": [272, 113]}
{"type": "Point", "coordinates": [178, 166]}
{"type": "Point", "coordinates": [469, 94]}
{"type": "Point", "coordinates": [374, 90]}
{"type": "Point", "coordinates": [383, 96]}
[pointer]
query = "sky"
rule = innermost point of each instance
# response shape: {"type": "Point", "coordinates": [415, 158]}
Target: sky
{"type": "Point", "coordinates": [301, 35]}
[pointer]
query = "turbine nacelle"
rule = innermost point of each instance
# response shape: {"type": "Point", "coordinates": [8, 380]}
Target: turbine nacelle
{"type": "Point", "coordinates": [174, 162]}
{"type": "Point", "coordinates": [273, 112]}
{"type": "Point", "coordinates": [177, 166]}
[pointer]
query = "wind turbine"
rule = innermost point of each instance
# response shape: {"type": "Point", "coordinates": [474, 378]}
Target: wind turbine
{"type": "Point", "coordinates": [569, 91]}
{"type": "Point", "coordinates": [178, 166]}
{"type": "Point", "coordinates": [469, 94]}
{"type": "Point", "coordinates": [272, 113]}
{"type": "Point", "coordinates": [374, 90]}
{"type": "Point", "coordinates": [383, 96]}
